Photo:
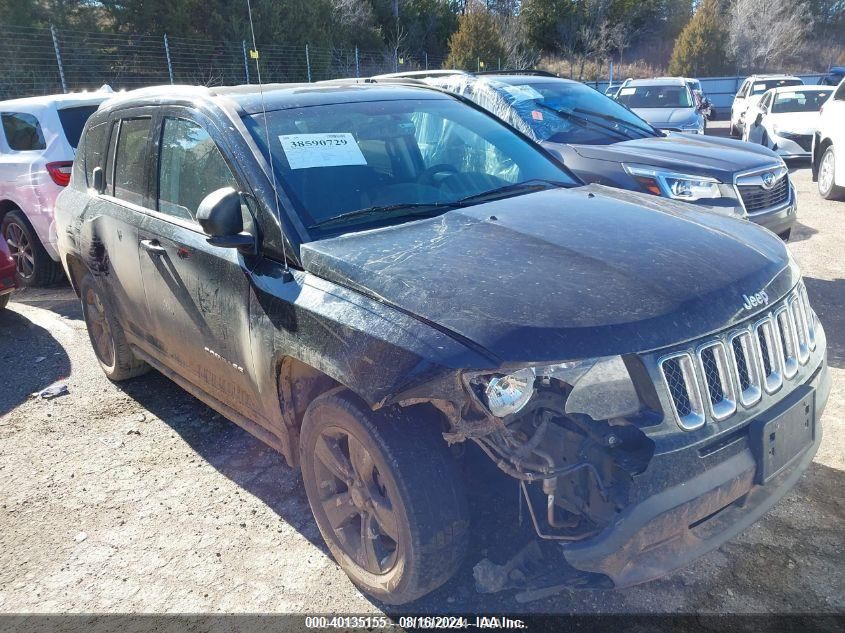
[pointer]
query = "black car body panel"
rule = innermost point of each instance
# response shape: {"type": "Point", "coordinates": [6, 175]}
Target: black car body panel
{"type": "Point", "coordinates": [608, 283]}
{"type": "Point", "coordinates": [558, 282]}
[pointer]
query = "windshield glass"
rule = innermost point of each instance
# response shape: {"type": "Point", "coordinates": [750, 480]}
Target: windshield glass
{"type": "Point", "coordinates": [563, 112]}
{"type": "Point", "coordinates": [759, 87]}
{"type": "Point", "coordinates": [73, 120]}
{"type": "Point", "coordinates": [655, 96]}
{"type": "Point", "coordinates": [800, 101]}
{"type": "Point", "coordinates": [383, 162]}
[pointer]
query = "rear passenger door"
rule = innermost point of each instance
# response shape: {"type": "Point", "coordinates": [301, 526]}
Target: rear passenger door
{"type": "Point", "coordinates": [197, 294]}
{"type": "Point", "coordinates": [110, 233]}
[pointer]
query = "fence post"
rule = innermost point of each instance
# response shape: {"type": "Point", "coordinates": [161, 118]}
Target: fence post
{"type": "Point", "coordinates": [357, 64]}
{"type": "Point", "coordinates": [58, 57]}
{"type": "Point", "coordinates": [426, 60]}
{"type": "Point", "coordinates": [246, 63]}
{"type": "Point", "coordinates": [167, 53]}
{"type": "Point", "coordinates": [308, 63]}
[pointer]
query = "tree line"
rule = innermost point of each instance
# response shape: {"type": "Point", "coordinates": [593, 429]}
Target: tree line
{"type": "Point", "coordinates": [689, 37]}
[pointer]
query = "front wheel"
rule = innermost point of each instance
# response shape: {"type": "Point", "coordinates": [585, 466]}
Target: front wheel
{"type": "Point", "coordinates": [4, 300]}
{"type": "Point", "coordinates": [113, 353]}
{"type": "Point", "coordinates": [386, 494]}
{"type": "Point", "coordinates": [827, 177]}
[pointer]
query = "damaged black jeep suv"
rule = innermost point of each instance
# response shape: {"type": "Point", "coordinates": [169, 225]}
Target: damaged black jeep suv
{"type": "Point", "coordinates": [365, 275]}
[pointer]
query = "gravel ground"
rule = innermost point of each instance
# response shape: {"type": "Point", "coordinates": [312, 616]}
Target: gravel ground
{"type": "Point", "coordinates": [139, 498]}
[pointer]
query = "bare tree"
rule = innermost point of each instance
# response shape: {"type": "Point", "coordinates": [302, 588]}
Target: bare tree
{"type": "Point", "coordinates": [766, 33]}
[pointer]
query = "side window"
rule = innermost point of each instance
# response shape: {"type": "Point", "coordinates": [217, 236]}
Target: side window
{"type": "Point", "coordinates": [93, 142]}
{"type": "Point", "coordinates": [190, 168]}
{"type": "Point", "coordinates": [130, 160]}
{"type": "Point", "coordinates": [840, 92]}
{"type": "Point", "coordinates": [744, 89]}
{"type": "Point", "coordinates": [23, 132]}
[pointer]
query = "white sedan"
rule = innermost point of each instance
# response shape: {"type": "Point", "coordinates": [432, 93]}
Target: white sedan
{"type": "Point", "coordinates": [786, 118]}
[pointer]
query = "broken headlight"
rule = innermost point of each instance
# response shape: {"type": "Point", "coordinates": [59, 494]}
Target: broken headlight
{"type": "Point", "coordinates": [600, 387]}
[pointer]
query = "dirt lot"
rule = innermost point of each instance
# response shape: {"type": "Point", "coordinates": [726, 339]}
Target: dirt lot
{"type": "Point", "coordinates": [139, 498]}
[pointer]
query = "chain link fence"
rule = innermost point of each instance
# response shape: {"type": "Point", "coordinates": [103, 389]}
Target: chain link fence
{"type": "Point", "coordinates": [37, 61]}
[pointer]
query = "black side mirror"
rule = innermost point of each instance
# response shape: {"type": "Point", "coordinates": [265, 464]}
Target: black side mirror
{"type": "Point", "coordinates": [98, 176]}
{"type": "Point", "coordinates": [221, 218]}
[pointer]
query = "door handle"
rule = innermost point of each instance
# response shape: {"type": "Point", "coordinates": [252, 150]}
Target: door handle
{"type": "Point", "coordinates": [153, 246]}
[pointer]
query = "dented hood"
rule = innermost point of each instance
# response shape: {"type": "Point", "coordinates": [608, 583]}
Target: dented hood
{"type": "Point", "coordinates": [564, 274]}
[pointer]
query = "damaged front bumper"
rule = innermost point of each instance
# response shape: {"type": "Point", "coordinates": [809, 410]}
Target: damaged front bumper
{"type": "Point", "coordinates": [747, 473]}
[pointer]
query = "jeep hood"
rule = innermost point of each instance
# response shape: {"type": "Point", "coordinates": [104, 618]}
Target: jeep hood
{"type": "Point", "coordinates": [563, 274]}
{"type": "Point", "coordinates": [685, 153]}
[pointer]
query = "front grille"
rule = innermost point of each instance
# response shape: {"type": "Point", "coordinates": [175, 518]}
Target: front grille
{"type": "Point", "coordinates": [757, 198]}
{"type": "Point", "coordinates": [805, 141]}
{"type": "Point", "coordinates": [739, 365]}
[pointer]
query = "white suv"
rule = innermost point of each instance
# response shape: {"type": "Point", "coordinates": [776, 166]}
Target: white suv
{"type": "Point", "coordinates": [750, 93]}
{"type": "Point", "coordinates": [38, 138]}
{"type": "Point", "coordinates": [829, 146]}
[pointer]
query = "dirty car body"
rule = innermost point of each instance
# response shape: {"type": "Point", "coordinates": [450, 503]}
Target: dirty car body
{"type": "Point", "coordinates": [650, 402]}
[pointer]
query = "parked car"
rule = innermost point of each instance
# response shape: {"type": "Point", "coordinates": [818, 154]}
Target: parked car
{"type": "Point", "coordinates": [750, 93]}
{"type": "Point", "coordinates": [37, 147]}
{"type": "Point", "coordinates": [786, 118]}
{"type": "Point", "coordinates": [603, 142]}
{"type": "Point", "coordinates": [651, 374]}
{"type": "Point", "coordinates": [667, 104]}
{"type": "Point", "coordinates": [828, 149]}
{"type": "Point", "coordinates": [7, 275]}
{"type": "Point", "coordinates": [835, 75]}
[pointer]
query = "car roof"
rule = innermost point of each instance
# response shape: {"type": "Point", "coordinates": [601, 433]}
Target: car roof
{"type": "Point", "coordinates": [658, 81]}
{"type": "Point", "coordinates": [59, 101]}
{"type": "Point", "coordinates": [773, 76]}
{"type": "Point", "coordinates": [248, 97]}
{"type": "Point", "coordinates": [805, 88]}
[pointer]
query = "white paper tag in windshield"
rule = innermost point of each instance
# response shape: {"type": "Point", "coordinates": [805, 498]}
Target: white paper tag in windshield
{"type": "Point", "coordinates": [321, 150]}
{"type": "Point", "coordinates": [627, 91]}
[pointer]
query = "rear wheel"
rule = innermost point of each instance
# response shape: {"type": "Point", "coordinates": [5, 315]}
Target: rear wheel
{"type": "Point", "coordinates": [33, 266]}
{"type": "Point", "coordinates": [386, 494]}
{"type": "Point", "coordinates": [4, 300]}
{"type": "Point", "coordinates": [734, 133]}
{"type": "Point", "coordinates": [827, 177]}
{"type": "Point", "coordinates": [113, 353]}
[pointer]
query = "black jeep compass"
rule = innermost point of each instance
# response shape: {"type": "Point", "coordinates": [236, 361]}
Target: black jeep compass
{"type": "Point", "coordinates": [363, 275]}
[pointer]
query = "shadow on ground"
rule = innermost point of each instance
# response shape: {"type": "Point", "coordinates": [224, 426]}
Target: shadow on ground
{"type": "Point", "coordinates": [21, 340]}
{"type": "Point", "coordinates": [826, 297]}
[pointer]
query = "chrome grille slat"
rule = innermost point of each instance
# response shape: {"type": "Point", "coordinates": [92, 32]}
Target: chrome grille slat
{"type": "Point", "coordinates": [737, 367]}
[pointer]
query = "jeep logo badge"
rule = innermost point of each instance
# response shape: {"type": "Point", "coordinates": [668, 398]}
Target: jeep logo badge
{"type": "Point", "coordinates": [755, 301]}
{"type": "Point", "coordinates": [768, 180]}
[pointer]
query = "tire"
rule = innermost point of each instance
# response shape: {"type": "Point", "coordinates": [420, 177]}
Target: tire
{"type": "Point", "coordinates": [826, 179]}
{"type": "Point", "coordinates": [4, 300]}
{"type": "Point", "coordinates": [734, 133]}
{"type": "Point", "coordinates": [34, 266]}
{"type": "Point", "coordinates": [405, 473]}
{"type": "Point", "coordinates": [113, 353]}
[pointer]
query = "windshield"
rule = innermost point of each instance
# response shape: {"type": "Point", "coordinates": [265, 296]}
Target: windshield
{"type": "Point", "coordinates": [563, 112]}
{"type": "Point", "coordinates": [800, 101]}
{"type": "Point", "coordinates": [73, 120]}
{"type": "Point", "coordinates": [383, 162]}
{"type": "Point", "coordinates": [759, 87]}
{"type": "Point", "coordinates": [668, 96]}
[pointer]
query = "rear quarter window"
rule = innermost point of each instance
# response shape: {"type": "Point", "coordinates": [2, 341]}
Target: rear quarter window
{"type": "Point", "coordinates": [23, 132]}
{"type": "Point", "coordinates": [93, 150]}
{"type": "Point", "coordinates": [73, 121]}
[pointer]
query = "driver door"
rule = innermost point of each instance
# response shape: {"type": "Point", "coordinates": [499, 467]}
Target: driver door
{"type": "Point", "coordinates": [197, 294]}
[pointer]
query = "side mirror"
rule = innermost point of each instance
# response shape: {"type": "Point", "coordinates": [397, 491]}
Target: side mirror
{"type": "Point", "coordinates": [98, 176]}
{"type": "Point", "coordinates": [221, 218]}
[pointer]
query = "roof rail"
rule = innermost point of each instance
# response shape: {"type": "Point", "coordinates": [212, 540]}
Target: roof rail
{"type": "Point", "coordinates": [523, 71]}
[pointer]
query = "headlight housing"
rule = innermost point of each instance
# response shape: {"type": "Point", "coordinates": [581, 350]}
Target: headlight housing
{"type": "Point", "coordinates": [686, 187]}
{"type": "Point", "coordinates": [601, 387]}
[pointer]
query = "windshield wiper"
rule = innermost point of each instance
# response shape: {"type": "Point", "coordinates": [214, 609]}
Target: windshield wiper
{"type": "Point", "coordinates": [410, 208]}
{"type": "Point", "coordinates": [615, 119]}
{"type": "Point", "coordinates": [534, 183]}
